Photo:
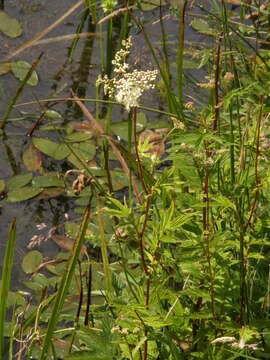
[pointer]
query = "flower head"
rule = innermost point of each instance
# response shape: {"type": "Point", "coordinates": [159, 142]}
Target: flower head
{"type": "Point", "coordinates": [127, 87]}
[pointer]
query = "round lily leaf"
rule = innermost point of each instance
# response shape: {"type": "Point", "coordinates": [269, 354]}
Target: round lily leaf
{"type": "Point", "coordinates": [51, 148]}
{"type": "Point", "coordinates": [23, 194]}
{"type": "Point", "coordinates": [21, 68]}
{"type": "Point", "coordinates": [32, 158]}
{"type": "Point", "coordinates": [31, 261]}
{"type": "Point", "coordinates": [19, 181]}
{"type": "Point", "coordinates": [9, 26]}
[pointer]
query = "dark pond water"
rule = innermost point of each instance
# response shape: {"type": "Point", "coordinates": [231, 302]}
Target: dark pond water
{"type": "Point", "coordinates": [59, 75]}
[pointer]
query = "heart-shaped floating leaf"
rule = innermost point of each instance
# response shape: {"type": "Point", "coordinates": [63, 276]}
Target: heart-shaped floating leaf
{"type": "Point", "coordinates": [9, 26]}
{"type": "Point", "coordinates": [31, 261]}
{"type": "Point", "coordinates": [23, 194]}
{"type": "Point", "coordinates": [2, 186]}
{"type": "Point", "coordinates": [51, 148]}
{"type": "Point", "coordinates": [48, 180]}
{"type": "Point", "coordinates": [5, 68]}
{"type": "Point", "coordinates": [19, 181]}
{"type": "Point", "coordinates": [21, 68]}
{"type": "Point", "coordinates": [32, 158]}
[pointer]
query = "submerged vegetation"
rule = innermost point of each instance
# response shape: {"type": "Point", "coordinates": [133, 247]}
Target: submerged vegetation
{"type": "Point", "coordinates": [165, 253]}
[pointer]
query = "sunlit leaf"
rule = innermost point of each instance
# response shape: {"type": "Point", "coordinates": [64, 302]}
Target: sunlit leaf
{"type": "Point", "coordinates": [53, 115]}
{"type": "Point", "coordinates": [20, 70]}
{"type": "Point", "coordinates": [9, 26]}
{"type": "Point", "coordinates": [31, 261]}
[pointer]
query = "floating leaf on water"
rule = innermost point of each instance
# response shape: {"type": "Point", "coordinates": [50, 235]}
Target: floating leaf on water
{"type": "Point", "coordinates": [19, 181]}
{"type": "Point", "coordinates": [23, 194]}
{"type": "Point", "coordinates": [52, 192]}
{"type": "Point", "coordinates": [5, 68]}
{"type": "Point", "coordinates": [2, 186]}
{"type": "Point", "coordinates": [120, 129]}
{"type": "Point", "coordinates": [202, 27]}
{"type": "Point", "coordinates": [160, 124]}
{"type": "Point", "coordinates": [21, 68]}
{"type": "Point", "coordinates": [119, 180]}
{"type": "Point", "coordinates": [32, 158]}
{"type": "Point", "coordinates": [51, 148]}
{"type": "Point", "coordinates": [85, 151]}
{"type": "Point", "coordinates": [31, 261]}
{"type": "Point", "coordinates": [47, 180]}
{"type": "Point", "coordinates": [79, 125]}
{"type": "Point", "coordinates": [9, 26]}
{"type": "Point", "coordinates": [78, 136]}
{"type": "Point", "coordinates": [52, 115]}
{"type": "Point", "coordinates": [148, 5]}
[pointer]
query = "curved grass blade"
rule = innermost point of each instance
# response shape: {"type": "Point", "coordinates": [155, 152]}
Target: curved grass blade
{"type": "Point", "coordinates": [5, 284]}
{"type": "Point", "coordinates": [65, 282]}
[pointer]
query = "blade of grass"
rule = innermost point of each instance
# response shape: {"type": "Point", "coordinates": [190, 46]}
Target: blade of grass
{"type": "Point", "coordinates": [5, 283]}
{"type": "Point", "coordinates": [65, 282]}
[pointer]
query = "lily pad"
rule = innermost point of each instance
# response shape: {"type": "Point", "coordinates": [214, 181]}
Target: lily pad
{"type": "Point", "coordinates": [32, 158]}
{"type": "Point", "coordinates": [51, 148]}
{"type": "Point", "coordinates": [48, 180]}
{"type": "Point", "coordinates": [19, 181]}
{"type": "Point", "coordinates": [31, 261]}
{"type": "Point", "coordinates": [23, 194]}
{"type": "Point", "coordinates": [21, 68]}
{"type": "Point", "coordinates": [9, 26]}
{"type": "Point", "coordinates": [148, 5]}
{"type": "Point", "coordinates": [5, 68]}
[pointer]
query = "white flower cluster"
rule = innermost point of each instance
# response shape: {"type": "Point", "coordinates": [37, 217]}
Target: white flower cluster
{"type": "Point", "coordinates": [127, 87]}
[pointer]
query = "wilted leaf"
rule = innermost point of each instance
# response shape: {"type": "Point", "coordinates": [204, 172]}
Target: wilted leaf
{"type": "Point", "coordinates": [19, 181]}
{"type": "Point", "coordinates": [23, 194]}
{"type": "Point", "coordinates": [21, 68]}
{"type": "Point", "coordinates": [52, 192]}
{"type": "Point", "coordinates": [51, 148]}
{"type": "Point", "coordinates": [66, 243]}
{"type": "Point", "coordinates": [48, 180]}
{"type": "Point", "coordinates": [9, 26]}
{"type": "Point", "coordinates": [31, 261]}
{"type": "Point", "coordinates": [5, 68]}
{"type": "Point", "coordinates": [32, 158]}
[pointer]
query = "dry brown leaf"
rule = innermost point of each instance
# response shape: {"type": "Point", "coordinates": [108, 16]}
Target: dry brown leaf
{"type": "Point", "coordinates": [66, 243]}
